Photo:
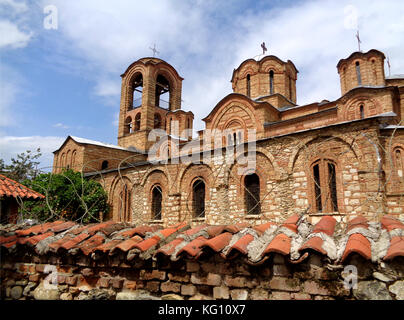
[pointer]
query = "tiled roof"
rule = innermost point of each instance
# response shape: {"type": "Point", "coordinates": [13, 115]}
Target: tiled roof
{"type": "Point", "coordinates": [295, 238]}
{"type": "Point", "coordinates": [11, 188]}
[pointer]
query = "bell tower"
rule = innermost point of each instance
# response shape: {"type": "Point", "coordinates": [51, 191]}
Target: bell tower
{"type": "Point", "coordinates": [151, 89]}
{"type": "Point", "coordinates": [269, 79]}
{"type": "Point", "coordinates": [361, 69]}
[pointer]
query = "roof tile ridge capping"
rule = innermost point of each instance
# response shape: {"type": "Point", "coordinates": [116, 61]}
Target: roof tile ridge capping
{"type": "Point", "coordinates": [147, 247]}
{"type": "Point", "coordinates": [295, 227]}
{"type": "Point", "coordinates": [365, 238]}
{"type": "Point", "coordinates": [20, 186]}
{"type": "Point", "coordinates": [321, 239]}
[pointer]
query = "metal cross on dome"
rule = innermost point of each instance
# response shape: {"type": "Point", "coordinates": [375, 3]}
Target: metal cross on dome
{"type": "Point", "coordinates": [359, 40]}
{"type": "Point", "coordinates": [154, 50]}
{"type": "Point", "coordinates": [264, 48]}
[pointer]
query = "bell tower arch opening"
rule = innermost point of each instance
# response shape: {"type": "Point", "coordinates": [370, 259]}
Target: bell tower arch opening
{"type": "Point", "coordinates": [162, 92]}
{"type": "Point", "coordinates": [137, 87]}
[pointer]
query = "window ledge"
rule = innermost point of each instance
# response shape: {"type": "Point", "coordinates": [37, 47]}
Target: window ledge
{"type": "Point", "coordinates": [253, 216]}
{"type": "Point", "coordinates": [198, 219]}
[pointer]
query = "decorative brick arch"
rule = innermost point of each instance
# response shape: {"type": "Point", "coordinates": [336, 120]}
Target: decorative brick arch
{"type": "Point", "coordinates": [249, 110]}
{"type": "Point", "coordinates": [156, 177]}
{"type": "Point", "coordinates": [119, 184]}
{"type": "Point", "coordinates": [353, 146]}
{"type": "Point", "coordinates": [371, 107]}
{"type": "Point", "coordinates": [153, 170]}
{"type": "Point", "coordinates": [264, 169]}
{"type": "Point", "coordinates": [186, 180]}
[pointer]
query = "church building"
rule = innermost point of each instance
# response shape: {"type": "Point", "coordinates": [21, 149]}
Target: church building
{"type": "Point", "coordinates": [261, 157]}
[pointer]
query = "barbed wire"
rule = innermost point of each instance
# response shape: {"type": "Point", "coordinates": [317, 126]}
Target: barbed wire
{"type": "Point", "coordinates": [130, 170]}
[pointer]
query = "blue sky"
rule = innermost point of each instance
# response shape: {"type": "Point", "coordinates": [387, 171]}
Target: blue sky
{"type": "Point", "coordinates": [66, 81]}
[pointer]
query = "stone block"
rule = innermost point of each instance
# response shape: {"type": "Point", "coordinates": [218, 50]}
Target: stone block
{"type": "Point", "coordinates": [239, 294]}
{"type": "Point", "coordinates": [221, 292]}
{"type": "Point", "coordinates": [170, 286]}
{"type": "Point", "coordinates": [188, 290]}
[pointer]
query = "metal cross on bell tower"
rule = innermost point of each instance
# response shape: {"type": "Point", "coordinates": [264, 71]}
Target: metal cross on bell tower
{"type": "Point", "coordinates": [154, 50]}
{"type": "Point", "coordinates": [359, 40]}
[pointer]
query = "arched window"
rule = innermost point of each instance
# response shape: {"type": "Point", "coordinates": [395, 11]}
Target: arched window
{"type": "Point", "coordinates": [248, 86]}
{"type": "Point", "coordinates": [162, 87]}
{"type": "Point", "coordinates": [157, 198]}
{"type": "Point", "coordinates": [271, 82]}
{"type": "Point", "coordinates": [362, 111]}
{"type": "Point", "coordinates": [137, 86]}
{"type": "Point", "coordinates": [128, 125]}
{"type": "Point", "coordinates": [68, 160]}
{"type": "Point", "coordinates": [198, 199]}
{"type": "Point", "coordinates": [62, 161]}
{"type": "Point", "coordinates": [398, 159]}
{"type": "Point", "coordinates": [157, 121]}
{"type": "Point", "coordinates": [252, 194]}
{"type": "Point", "coordinates": [324, 186]}
{"type": "Point", "coordinates": [124, 204]}
{"type": "Point", "coordinates": [234, 138]}
{"type": "Point", "coordinates": [73, 161]}
{"type": "Point", "coordinates": [358, 73]}
{"type": "Point", "coordinates": [104, 165]}
{"type": "Point", "coordinates": [137, 121]}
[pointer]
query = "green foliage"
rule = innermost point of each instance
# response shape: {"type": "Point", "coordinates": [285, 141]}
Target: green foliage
{"type": "Point", "coordinates": [25, 166]}
{"type": "Point", "coordinates": [67, 196]}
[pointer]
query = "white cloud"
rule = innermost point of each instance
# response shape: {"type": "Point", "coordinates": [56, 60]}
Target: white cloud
{"type": "Point", "coordinates": [12, 36]}
{"type": "Point", "coordinates": [204, 43]}
{"type": "Point", "coordinates": [60, 125]}
{"type": "Point", "coordinates": [10, 146]}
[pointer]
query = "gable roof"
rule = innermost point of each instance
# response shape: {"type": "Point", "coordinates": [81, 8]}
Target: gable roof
{"type": "Point", "coordinates": [95, 143]}
{"type": "Point", "coordinates": [11, 188]}
{"type": "Point", "coordinates": [254, 103]}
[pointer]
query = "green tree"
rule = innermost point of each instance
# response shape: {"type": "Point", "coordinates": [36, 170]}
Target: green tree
{"type": "Point", "coordinates": [24, 166]}
{"type": "Point", "coordinates": [67, 196]}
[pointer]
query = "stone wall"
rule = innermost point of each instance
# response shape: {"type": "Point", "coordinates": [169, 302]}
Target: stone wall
{"type": "Point", "coordinates": [27, 277]}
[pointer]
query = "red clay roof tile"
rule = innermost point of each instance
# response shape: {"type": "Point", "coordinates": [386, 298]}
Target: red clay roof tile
{"type": "Point", "coordinates": [326, 225]}
{"type": "Point", "coordinates": [280, 244]}
{"type": "Point", "coordinates": [263, 227]}
{"type": "Point", "coordinates": [7, 239]}
{"type": "Point", "coordinates": [128, 244]}
{"type": "Point", "coordinates": [34, 239]}
{"type": "Point", "coordinates": [358, 222]}
{"type": "Point", "coordinates": [314, 243]}
{"type": "Point", "coordinates": [169, 248]}
{"type": "Point", "coordinates": [194, 247]}
{"type": "Point", "coordinates": [89, 245]}
{"type": "Point", "coordinates": [11, 188]}
{"type": "Point", "coordinates": [141, 231]}
{"type": "Point", "coordinates": [107, 246]}
{"type": "Point", "coordinates": [218, 243]}
{"type": "Point", "coordinates": [62, 226]}
{"type": "Point", "coordinates": [291, 223]}
{"type": "Point", "coordinates": [241, 245]}
{"type": "Point", "coordinates": [390, 223]}
{"type": "Point", "coordinates": [359, 244]}
{"type": "Point", "coordinates": [70, 244]}
{"type": "Point", "coordinates": [396, 248]}
{"type": "Point", "coordinates": [147, 244]}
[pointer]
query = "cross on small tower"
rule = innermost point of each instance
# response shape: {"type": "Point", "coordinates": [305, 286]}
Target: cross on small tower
{"type": "Point", "coordinates": [388, 64]}
{"type": "Point", "coordinates": [359, 40]}
{"type": "Point", "coordinates": [264, 48]}
{"type": "Point", "coordinates": [154, 50]}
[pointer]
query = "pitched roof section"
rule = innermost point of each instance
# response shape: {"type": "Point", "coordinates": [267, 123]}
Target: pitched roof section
{"type": "Point", "coordinates": [295, 239]}
{"type": "Point", "coordinates": [11, 188]}
{"type": "Point", "coordinates": [95, 143]}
